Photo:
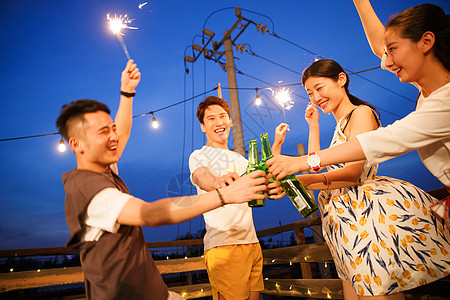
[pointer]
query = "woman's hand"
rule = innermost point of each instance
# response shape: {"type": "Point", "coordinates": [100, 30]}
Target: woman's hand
{"type": "Point", "coordinates": [274, 189]}
{"type": "Point", "coordinates": [280, 134]}
{"type": "Point", "coordinates": [280, 166]}
{"type": "Point", "coordinates": [312, 115]}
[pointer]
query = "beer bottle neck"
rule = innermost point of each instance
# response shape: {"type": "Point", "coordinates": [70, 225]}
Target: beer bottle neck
{"type": "Point", "coordinates": [253, 158]}
{"type": "Point", "coordinates": [266, 151]}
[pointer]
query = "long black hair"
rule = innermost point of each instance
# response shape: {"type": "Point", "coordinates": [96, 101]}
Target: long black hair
{"type": "Point", "coordinates": [330, 69]}
{"type": "Point", "coordinates": [415, 21]}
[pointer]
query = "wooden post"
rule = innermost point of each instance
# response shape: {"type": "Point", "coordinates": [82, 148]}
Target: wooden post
{"type": "Point", "coordinates": [317, 230]}
{"type": "Point", "coordinates": [238, 136]}
{"type": "Point", "coordinates": [219, 90]}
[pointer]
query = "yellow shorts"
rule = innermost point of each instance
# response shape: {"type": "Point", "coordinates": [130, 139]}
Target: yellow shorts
{"type": "Point", "coordinates": [235, 270]}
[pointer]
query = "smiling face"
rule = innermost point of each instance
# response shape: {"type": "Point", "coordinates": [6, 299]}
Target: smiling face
{"type": "Point", "coordinates": [326, 93]}
{"type": "Point", "coordinates": [216, 125]}
{"type": "Point", "coordinates": [95, 145]}
{"type": "Point", "coordinates": [404, 57]}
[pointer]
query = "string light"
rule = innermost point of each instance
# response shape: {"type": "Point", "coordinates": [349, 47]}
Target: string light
{"type": "Point", "coordinates": [281, 286]}
{"type": "Point", "coordinates": [11, 270]}
{"type": "Point", "coordinates": [169, 106]}
{"type": "Point", "coordinates": [155, 123]}
{"type": "Point", "coordinates": [62, 146]}
{"type": "Point", "coordinates": [258, 99]}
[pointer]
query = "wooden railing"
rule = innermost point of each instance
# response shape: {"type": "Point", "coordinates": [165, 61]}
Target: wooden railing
{"type": "Point", "coordinates": [302, 253]}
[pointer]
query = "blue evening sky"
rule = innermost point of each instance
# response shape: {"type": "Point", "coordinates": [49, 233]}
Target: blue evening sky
{"type": "Point", "coordinates": [53, 52]}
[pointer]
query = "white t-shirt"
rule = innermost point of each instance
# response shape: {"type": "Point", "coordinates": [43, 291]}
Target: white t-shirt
{"type": "Point", "coordinates": [233, 223]}
{"type": "Point", "coordinates": [103, 211]}
{"type": "Point", "coordinates": [426, 129]}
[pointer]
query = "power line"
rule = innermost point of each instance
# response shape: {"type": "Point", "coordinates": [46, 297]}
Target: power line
{"type": "Point", "coordinates": [241, 73]}
{"type": "Point", "coordinates": [136, 116]}
{"type": "Point", "coordinates": [28, 137]}
{"type": "Point", "coordinates": [271, 85]}
{"type": "Point", "coordinates": [351, 72]}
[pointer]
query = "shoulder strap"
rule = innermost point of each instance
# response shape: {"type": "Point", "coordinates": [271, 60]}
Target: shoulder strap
{"type": "Point", "coordinates": [350, 114]}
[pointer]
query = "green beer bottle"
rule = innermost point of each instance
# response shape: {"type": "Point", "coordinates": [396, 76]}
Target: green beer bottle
{"type": "Point", "coordinates": [266, 154]}
{"type": "Point", "coordinates": [253, 165]}
{"type": "Point", "coordinates": [301, 199]}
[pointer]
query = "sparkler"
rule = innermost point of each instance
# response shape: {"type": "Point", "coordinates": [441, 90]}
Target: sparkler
{"type": "Point", "coordinates": [285, 100]}
{"type": "Point", "coordinates": [116, 24]}
{"type": "Point", "coordinates": [142, 5]}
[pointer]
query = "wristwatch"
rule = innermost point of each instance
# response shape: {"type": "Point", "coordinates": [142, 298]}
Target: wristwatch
{"type": "Point", "coordinates": [313, 161]}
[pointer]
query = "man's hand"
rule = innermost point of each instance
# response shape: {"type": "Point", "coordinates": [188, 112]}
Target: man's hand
{"type": "Point", "coordinates": [225, 180]}
{"type": "Point", "coordinates": [130, 77]}
{"type": "Point", "coordinates": [246, 188]}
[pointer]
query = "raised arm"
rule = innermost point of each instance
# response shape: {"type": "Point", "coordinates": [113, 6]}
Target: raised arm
{"type": "Point", "coordinates": [129, 80]}
{"type": "Point", "coordinates": [166, 211]}
{"type": "Point", "coordinates": [373, 27]}
{"type": "Point", "coordinates": [312, 118]}
{"type": "Point", "coordinates": [362, 120]}
{"type": "Point", "coordinates": [280, 134]}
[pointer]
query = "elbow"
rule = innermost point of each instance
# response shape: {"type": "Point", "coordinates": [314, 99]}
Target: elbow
{"type": "Point", "coordinates": [158, 221]}
{"type": "Point", "coordinates": [354, 179]}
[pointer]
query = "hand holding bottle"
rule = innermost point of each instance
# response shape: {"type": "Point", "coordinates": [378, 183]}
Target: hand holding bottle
{"type": "Point", "coordinates": [282, 165]}
{"type": "Point", "coordinates": [246, 188]}
{"type": "Point", "coordinates": [274, 189]}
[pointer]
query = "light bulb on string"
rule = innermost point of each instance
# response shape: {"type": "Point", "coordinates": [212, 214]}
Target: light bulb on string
{"type": "Point", "coordinates": [62, 146]}
{"type": "Point", "coordinates": [155, 123]}
{"type": "Point", "coordinates": [258, 100]}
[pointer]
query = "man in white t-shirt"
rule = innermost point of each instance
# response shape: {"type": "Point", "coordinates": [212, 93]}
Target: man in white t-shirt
{"type": "Point", "coordinates": [103, 217]}
{"type": "Point", "coordinates": [233, 255]}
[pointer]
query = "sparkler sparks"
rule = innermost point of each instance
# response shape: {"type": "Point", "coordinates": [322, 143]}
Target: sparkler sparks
{"type": "Point", "coordinates": [285, 100]}
{"type": "Point", "coordinates": [142, 5]}
{"type": "Point", "coordinates": [116, 24]}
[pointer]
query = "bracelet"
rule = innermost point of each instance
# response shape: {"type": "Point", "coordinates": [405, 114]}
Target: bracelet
{"type": "Point", "coordinates": [129, 95]}
{"type": "Point", "coordinates": [326, 180]}
{"type": "Point", "coordinates": [220, 197]}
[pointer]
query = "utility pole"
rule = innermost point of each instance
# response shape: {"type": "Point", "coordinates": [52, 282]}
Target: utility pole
{"type": "Point", "coordinates": [238, 136]}
{"type": "Point", "coordinates": [215, 55]}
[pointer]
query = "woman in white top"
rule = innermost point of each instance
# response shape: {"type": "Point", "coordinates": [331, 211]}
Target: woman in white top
{"type": "Point", "coordinates": [417, 48]}
{"type": "Point", "coordinates": [377, 228]}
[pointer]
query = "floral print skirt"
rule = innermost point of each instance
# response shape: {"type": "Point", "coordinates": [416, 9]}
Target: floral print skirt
{"type": "Point", "coordinates": [383, 237]}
